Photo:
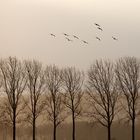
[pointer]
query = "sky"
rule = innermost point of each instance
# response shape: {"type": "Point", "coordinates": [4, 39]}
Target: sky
{"type": "Point", "coordinates": [25, 27]}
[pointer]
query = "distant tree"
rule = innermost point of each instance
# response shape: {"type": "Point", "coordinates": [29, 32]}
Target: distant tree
{"type": "Point", "coordinates": [54, 103]}
{"type": "Point", "coordinates": [128, 75]}
{"type": "Point", "coordinates": [102, 93]}
{"type": "Point", "coordinates": [4, 122]}
{"type": "Point", "coordinates": [14, 83]}
{"type": "Point", "coordinates": [73, 82]}
{"type": "Point", "coordinates": [35, 90]}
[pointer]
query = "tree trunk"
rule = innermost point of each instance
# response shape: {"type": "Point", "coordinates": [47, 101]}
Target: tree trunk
{"type": "Point", "coordinates": [133, 120]}
{"type": "Point", "coordinates": [14, 125]}
{"type": "Point", "coordinates": [133, 129]}
{"type": "Point", "coordinates": [34, 128]}
{"type": "Point", "coordinates": [54, 119]}
{"type": "Point", "coordinates": [73, 126]}
{"type": "Point", "coordinates": [109, 132]}
{"type": "Point", "coordinates": [54, 131]}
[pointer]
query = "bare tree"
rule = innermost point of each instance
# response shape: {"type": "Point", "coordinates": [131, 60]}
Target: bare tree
{"type": "Point", "coordinates": [73, 82]}
{"type": "Point", "coordinates": [55, 107]}
{"type": "Point", "coordinates": [14, 83]}
{"type": "Point", "coordinates": [36, 88]}
{"type": "Point", "coordinates": [127, 71]}
{"type": "Point", "coordinates": [102, 93]}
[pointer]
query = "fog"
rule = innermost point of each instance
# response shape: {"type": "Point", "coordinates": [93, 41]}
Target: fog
{"type": "Point", "coordinates": [25, 27]}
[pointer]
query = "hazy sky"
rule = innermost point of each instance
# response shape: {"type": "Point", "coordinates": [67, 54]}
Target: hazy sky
{"type": "Point", "coordinates": [25, 26]}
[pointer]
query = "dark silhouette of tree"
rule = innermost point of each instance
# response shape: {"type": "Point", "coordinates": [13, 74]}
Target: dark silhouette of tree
{"type": "Point", "coordinates": [102, 94]}
{"type": "Point", "coordinates": [73, 82]}
{"type": "Point", "coordinates": [127, 71]}
{"type": "Point", "coordinates": [14, 83]}
{"type": "Point", "coordinates": [36, 89]}
{"type": "Point", "coordinates": [55, 107]}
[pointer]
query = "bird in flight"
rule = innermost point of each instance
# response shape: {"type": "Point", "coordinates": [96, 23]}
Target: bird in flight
{"type": "Point", "coordinates": [97, 24]}
{"type": "Point", "coordinates": [65, 34]}
{"type": "Point", "coordinates": [98, 38]}
{"type": "Point", "coordinates": [85, 42]}
{"type": "Point", "coordinates": [75, 37]}
{"type": "Point", "coordinates": [100, 28]}
{"type": "Point", "coordinates": [53, 35]}
{"type": "Point", "coordinates": [114, 38]}
{"type": "Point", "coordinates": [68, 39]}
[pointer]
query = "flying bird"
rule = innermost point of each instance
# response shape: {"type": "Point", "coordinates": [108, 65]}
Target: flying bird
{"type": "Point", "coordinates": [85, 42]}
{"type": "Point", "coordinates": [65, 34]}
{"type": "Point", "coordinates": [100, 28]}
{"type": "Point", "coordinates": [98, 38]}
{"type": "Point", "coordinates": [75, 37]}
{"type": "Point", "coordinates": [97, 24]}
{"type": "Point", "coordinates": [53, 35]}
{"type": "Point", "coordinates": [68, 39]}
{"type": "Point", "coordinates": [114, 38]}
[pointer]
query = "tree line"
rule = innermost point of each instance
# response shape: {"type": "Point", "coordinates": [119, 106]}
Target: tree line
{"type": "Point", "coordinates": [106, 92]}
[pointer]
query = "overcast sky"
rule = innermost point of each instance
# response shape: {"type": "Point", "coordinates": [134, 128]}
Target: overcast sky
{"type": "Point", "coordinates": [25, 27]}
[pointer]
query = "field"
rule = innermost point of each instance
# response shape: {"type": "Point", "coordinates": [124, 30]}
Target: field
{"type": "Point", "coordinates": [85, 131]}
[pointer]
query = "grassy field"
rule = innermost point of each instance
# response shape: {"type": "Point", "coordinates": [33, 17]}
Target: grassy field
{"type": "Point", "coordinates": [84, 131]}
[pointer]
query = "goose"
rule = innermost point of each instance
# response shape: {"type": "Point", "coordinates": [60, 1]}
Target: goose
{"type": "Point", "coordinates": [97, 24]}
{"type": "Point", "coordinates": [53, 35]}
{"type": "Point", "coordinates": [100, 28]}
{"type": "Point", "coordinates": [68, 39]}
{"type": "Point", "coordinates": [114, 38]}
{"type": "Point", "coordinates": [98, 38]}
{"type": "Point", "coordinates": [75, 37]}
{"type": "Point", "coordinates": [85, 42]}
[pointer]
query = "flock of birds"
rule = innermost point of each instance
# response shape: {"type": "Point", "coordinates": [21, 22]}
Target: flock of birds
{"type": "Point", "coordinates": [67, 36]}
